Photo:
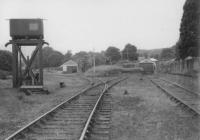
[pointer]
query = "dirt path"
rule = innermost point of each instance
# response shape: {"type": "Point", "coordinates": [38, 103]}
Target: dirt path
{"type": "Point", "coordinates": [145, 113]}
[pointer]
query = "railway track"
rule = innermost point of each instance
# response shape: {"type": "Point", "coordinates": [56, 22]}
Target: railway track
{"type": "Point", "coordinates": [186, 98]}
{"type": "Point", "coordinates": [98, 124]}
{"type": "Point", "coordinates": [180, 86]}
{"type": "Point", "coordinates": [69, 120]}
{"type": "Point", "coordinates": [99, 128]}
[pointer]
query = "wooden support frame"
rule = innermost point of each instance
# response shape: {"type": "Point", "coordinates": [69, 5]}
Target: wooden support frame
{"type": "Point", "coordinates": [15, 66]}
{"type": "Point", "coordinates": [40, 64]}
{"type": "Point", "coordinates": [19, 76]}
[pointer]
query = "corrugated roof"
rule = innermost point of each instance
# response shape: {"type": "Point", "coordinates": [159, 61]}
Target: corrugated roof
{"type": "Point", "coordinates": [70, 63]}
{"type": "Point", "coordinates": [146, 61]}
{"type": "Point", "coordinates": [153, 59]}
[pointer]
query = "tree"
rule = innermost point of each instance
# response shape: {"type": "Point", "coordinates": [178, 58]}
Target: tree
{"type": "Point", "coordinates": [5, 60]}
{"type": "Point", "coordinates": [51, 58]}
{"type": "Point", "coordinates": [100, 58]}
{"type": "Point", "coordinates": [189, 30]}
{"type": "Point", "coordinates": [146, 55]}
{"type": "Point", "coordinates": [130, 52]}
{"type": "Point", "coordinates": [55, 59]}
{"type": "Point", "coordinates": [46, 51]}
{"type": "Point", "coordinates": [156, 56]}
{"type": "Point", "coordinates": [67, 56]}
{"type": "Point", "coordinates": [167, 53]}
{"type": "Point", "coordinates": [83, 60]}
{"type": "Point", "coordinates": [113, 54]}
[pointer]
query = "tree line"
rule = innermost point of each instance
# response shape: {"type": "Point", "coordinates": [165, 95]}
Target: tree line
{"type": "Point", "coordinates": [85, 60]}
{"type": "Point", "coordinates": [113, 54]}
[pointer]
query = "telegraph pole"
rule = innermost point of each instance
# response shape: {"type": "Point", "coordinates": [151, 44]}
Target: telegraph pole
{"type": "Point", "coordinates": [127, 53]}
{"type": "Point", "coordinates": [94, 70]}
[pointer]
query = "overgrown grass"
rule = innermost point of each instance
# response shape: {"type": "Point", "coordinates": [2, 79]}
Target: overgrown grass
{"type": "Point", "coordinates": [110, 70]}
{"type": "Point", "coordinates": [104, 70]}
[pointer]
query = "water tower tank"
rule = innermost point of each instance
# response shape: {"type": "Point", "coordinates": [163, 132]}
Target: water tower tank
{"type": "Point", "coordinates": [26, 28]}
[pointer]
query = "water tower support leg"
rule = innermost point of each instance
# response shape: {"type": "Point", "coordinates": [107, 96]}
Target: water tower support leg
{"type": "Point", "coordinates": [15, 66]}
{"type": "Point", "coordinates": [40, 64]}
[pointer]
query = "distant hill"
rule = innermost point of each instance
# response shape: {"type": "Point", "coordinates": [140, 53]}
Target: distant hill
{"type": "Point", "coordinates": [150, 52]}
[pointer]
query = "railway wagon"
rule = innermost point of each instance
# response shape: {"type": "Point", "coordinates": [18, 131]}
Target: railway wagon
{"type": "Point", "coordinates": [148, 67]}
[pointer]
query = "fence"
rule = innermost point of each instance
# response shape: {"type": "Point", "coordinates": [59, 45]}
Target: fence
{"type": "Point", "coordinates": [180, 67]}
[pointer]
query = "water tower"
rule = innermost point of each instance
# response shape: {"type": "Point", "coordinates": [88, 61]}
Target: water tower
{"type": "Point", "coordinates": [27, 33]}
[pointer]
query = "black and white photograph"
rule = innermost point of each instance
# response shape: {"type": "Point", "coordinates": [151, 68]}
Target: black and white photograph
{"type": "Point", "coordinates": [99, 69]}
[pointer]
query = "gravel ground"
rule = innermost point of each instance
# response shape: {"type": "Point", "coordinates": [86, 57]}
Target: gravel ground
{"type": "Point", "coordinates": [145, 113]}
{"type": "Point", "coordinates": [17, 109]}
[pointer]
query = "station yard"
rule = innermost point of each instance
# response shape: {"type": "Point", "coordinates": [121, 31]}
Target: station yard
{"type": "Point", "coordinates": [141, 113]}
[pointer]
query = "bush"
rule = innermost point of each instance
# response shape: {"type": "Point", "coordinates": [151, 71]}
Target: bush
{"type": "Point", "coordinates": [5, 60]}
{"type": "Point", "coordinates": [4, 74]}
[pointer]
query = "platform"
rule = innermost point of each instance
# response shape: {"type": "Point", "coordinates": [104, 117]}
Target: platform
{"type": "Point", "coordinates": [31, 89]}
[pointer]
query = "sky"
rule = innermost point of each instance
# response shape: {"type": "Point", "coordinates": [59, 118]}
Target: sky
{"type": "Point", "coordinates": [93, 25]}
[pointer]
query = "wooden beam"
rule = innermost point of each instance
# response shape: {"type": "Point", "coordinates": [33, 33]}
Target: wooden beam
{"type": "Point", "coordinates": [20, 68]}
{"type": "Point", "coordinates": [40, 63]}
{"type": "Point", "coordinates": [28, 65]}
{"type": "Point", "coordinates": [33, 57]}
{"type": "Point", "coordinates": [31, 87]}
{"type": "Point", "coordinates": [15, 66]}
{"type": "Point", "coordinates": [26, 42]}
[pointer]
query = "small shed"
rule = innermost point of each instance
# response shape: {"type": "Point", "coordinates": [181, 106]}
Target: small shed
{"type": "Point", "coordinates": [153, 60]}
{"type": "Point", "coordinates": [148, 66]}
{"type": "Point", "coordinates": [70, 67]}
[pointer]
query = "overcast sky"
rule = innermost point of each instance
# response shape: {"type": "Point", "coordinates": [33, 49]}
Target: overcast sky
{"type": "Point", "coordinates": [81, 25]}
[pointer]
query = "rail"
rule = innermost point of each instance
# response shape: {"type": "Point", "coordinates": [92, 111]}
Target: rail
{"type": "Point", "coordinates": [49, 112]}
{"type": "Point", "coordinates": [84, 132]}
{"type": "Point", "coordinates": [176, 98]}
{"type": "Point", "coordinates": [178, 85]}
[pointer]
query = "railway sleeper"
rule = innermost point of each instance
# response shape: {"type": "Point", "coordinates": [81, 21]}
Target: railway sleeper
{"type": "Point", "coordinates": [55, 136]}
{"type": "Point", "coordinates": [101, 132]}
{"type": "Point", "coordinates": [185, 106]}
{"type": "Point", "coordinates": [84, 102]}
{"type": "Point", "coordinates": [46, 130]}
{"type": "Point", "coordinates": [65, 116]}
{"type": "Point", "coordinates": [60, 127]}
{"type": "Point", "coordinates": [77, 109]}
{"type": "Point", "coordinates": [81, 105]}
{"type": "Point", "coordinates": [72, 114]}
{"type": "Point", "coordinates": [105, 107]}
{"type": "Point", "coordinates": [20, 136]}
{"type": "Point", "coordinates": [98, 137]}
{"type": "Point", "coordinates": [107, 114]}
{"type": "Point", "coordinates": [100, 127]}
{"type": "Point", "coordinates": [64, 123]}
{"type": "Point", "coordinates": [67, 120]}
{"type": "Point", "coordinates": [98, 122]}
{"type": "Point", "coordinates": [108, 109]}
